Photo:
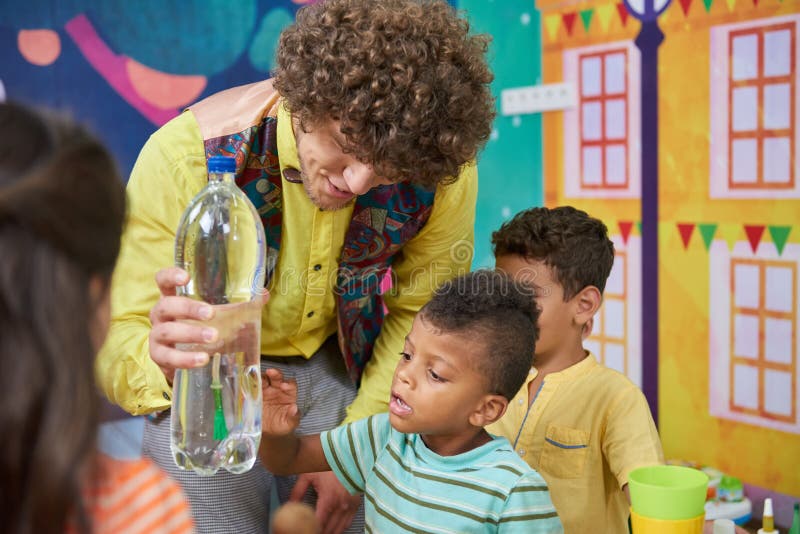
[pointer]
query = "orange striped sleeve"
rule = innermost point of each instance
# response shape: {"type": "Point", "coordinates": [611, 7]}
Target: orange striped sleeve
{"type": "Point", "coordinates": [133, 497]}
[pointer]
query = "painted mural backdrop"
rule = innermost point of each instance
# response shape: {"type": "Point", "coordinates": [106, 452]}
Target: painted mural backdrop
{"type": "Point", "coordinates": [727, 200]}
{"type": "Point", "coordinates": [725, 207]}
{"type": "Point", "coordinates": [126, 68]}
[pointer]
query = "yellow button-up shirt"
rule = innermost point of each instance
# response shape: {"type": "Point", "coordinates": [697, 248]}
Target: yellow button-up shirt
{"type": "Point", "coordinates": [586, 429]}
{"type": "Point", "coordinates": [170, 171]}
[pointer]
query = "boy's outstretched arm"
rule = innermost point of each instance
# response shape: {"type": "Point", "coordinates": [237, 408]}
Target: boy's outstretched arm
{"type": "Point", "coordinates": [281, 451]}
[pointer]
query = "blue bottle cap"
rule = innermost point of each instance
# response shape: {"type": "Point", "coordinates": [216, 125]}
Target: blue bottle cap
{"type": "Point", "coordinates": [221, 164]}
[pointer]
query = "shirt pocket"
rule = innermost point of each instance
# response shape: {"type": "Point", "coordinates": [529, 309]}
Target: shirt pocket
{"type": "Point", "coordinates": [564, 452]}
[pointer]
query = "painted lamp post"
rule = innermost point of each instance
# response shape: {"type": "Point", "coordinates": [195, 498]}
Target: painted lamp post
{"type": "Point", "coordinates": [649, 39]}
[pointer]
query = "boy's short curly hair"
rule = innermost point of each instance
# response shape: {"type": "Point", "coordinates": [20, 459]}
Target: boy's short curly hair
{"type": "Point", "coordinates": [408, 82]}
{"type": "Point", "coordinates": [499, 314]}
{"type": "Point", "coordinates": [575, 245]}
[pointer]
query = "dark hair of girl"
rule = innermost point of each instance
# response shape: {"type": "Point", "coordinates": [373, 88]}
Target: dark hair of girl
{"type": "Point", "coordinates": [62, 208]}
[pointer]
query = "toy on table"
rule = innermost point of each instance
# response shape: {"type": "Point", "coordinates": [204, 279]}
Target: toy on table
{"type": "Point", "coordinates": [730, 489]}
{"type": "Point", "coordinates": [768, 520]}
{"type": "Point", "coordinates": [724, 526]}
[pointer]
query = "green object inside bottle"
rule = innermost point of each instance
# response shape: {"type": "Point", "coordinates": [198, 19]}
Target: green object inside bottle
{"type": "Point", "coordinates": [220, 428]}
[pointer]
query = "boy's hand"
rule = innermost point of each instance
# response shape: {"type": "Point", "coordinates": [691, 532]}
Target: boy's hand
{"type": "Point", "coordinates": [280, 415]}
{"type": "Point", "coordinates": [335, 506]}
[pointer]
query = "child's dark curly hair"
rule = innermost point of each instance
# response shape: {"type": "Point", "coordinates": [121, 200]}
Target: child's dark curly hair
{"type": "Point", "coordinates": [407, 81]}
{"type": "Point", "coordinates": [575, 245]}
{"type": "Point", "coordinates": [499, 314]}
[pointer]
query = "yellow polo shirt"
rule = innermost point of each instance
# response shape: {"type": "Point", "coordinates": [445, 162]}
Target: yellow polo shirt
{"type": "Point", "coordinates": [301, 313]}
{"type": "Point", "coordinates": [586, 429]}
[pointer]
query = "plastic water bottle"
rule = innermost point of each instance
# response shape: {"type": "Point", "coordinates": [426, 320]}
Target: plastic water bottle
{"type": "Point", "coordinates": [216, 409]}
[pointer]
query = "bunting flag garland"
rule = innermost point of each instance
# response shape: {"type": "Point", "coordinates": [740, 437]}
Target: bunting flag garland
{"type": "Point", "coordinates": [551, 23]}
{"type": "Point", "coordinates": [730, 233]}
{"type": "Point", "coordinates": [569, 21]}
{"type": "Point", "coordinates": [604, 13]}
{"type": "Point", "coordinates": [586, 18]}
{"type": "Point", "coordinates": [754, 233]}
{"type": "Point", "coordinates": [707, 232]}
{"type": "Point", "coordinates": [686, 230]}
{"type": "Point", "coordinates": [779, 236]}
{"type": "Point", "coordinates": [623, 13]}
{"type": "Point", "coordinates": [625, 228]}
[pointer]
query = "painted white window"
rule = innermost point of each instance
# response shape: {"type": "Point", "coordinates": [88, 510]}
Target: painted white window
{"type": "Point", "coordinates": [753, 345]}
{"type": "Point", "coordinates": [616, 336]}
{"type": "Point", "coordinates": [602, 153]}
{"type": "Point", "coordinates": [754, 109]}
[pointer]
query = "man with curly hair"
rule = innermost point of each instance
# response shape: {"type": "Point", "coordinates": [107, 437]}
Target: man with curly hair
{"type": "Point", "coordinates": [359, 156]}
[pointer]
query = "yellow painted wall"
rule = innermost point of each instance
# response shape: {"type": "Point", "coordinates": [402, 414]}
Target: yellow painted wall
{"type": "Point", "coordinates": [757, 455]}
{"type": "Point", "coordinates": [609, 210]}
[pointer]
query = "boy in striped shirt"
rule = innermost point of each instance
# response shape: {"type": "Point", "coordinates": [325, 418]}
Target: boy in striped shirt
{"type": "Point", "coordinates": [428, 465]}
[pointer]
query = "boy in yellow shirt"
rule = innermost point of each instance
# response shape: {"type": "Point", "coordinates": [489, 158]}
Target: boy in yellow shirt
{"type": "Point", "coordinates": [582, 426]}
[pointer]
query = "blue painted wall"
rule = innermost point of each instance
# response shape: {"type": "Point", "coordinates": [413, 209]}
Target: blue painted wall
{"type": "Point", "coordinates": [510, 167]}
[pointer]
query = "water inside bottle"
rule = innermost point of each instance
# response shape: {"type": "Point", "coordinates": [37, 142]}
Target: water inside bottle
{"type": "Point", "coordinates": [236, 356]}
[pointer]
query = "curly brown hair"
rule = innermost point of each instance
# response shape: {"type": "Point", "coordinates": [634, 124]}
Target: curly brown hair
{"type": "Point", "coordinates": [408, 82]}
{"type": "Point", "coordinates": [575, 245]}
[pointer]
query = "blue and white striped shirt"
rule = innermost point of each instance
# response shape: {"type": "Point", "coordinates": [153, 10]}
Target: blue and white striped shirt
{"type": "Point", "coordinates": [409, 488]}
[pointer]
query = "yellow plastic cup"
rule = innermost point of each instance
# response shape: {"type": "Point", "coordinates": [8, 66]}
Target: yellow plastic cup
{"type": "Point", "coordinates": [668, 492]}
{"type": "Point", "coordinates": [648, 525]}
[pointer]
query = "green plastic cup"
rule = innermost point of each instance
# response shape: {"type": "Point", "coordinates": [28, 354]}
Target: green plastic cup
{"type": "Point", "coordinates": [668, 491]}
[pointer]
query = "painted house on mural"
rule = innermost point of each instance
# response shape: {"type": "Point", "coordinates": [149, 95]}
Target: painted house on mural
{"type": "Point", "coordinates": [728, 214]}
{"type": "Point", "coordinates": [591, 154]}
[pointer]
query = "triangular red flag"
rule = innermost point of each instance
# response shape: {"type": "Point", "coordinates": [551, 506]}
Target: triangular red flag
{"type": "Point", "coordinates": [754, 233]}
{"type": "Point", "coordinates": [625, 228]}
{"type": "Point", "coordinates": [686, 230]}
{"type": "Point", "coordinates": [569, 21]}
{"type": "Point", "coordinates": [623, 13]}
{"type": "Point", "coordinates": [685, 6]}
